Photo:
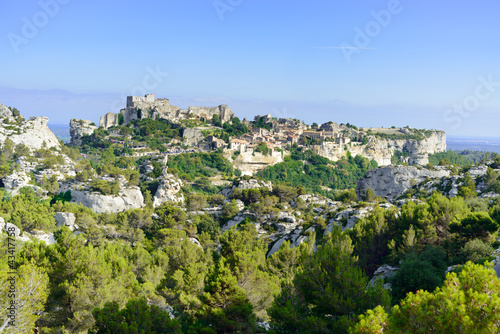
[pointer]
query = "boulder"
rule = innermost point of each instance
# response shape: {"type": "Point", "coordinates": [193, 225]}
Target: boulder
{"type": "Point", "coordinates": [128, 198]}
{"type": "Point", "coordinates": [195, 242]}
{"type": "Point", "coordinates": [287, 217]}
{"type": "Point", "coordinates": [234, 222]}
{"type": "Point", "coordinates": [478, 171]}
{"type": "Point", "coordinates": [276, 246]}
{"type": "Point", "coordinates": [383, 272]}
{"type": "Point", "coordinates": [65, 219]}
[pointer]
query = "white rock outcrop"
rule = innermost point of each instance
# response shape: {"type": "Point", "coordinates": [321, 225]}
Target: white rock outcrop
{"type": "Point", "coordinates": [250, 162]}
{"type": "Point", "coordinates": [168, 190]}
{"type": "Point", "coordinates": [382, 150]}
{"type": "Point", "coordinates": [80, 128]}
{"type": "Point", "coordinates": [34, 132]}
{"type": "Point", "coordinates": [192, 136]}
{"type": "Point", "coordinates": [15, 181]}
{"type": "Point", "coordinates": [65, 219]}
{"type": "Point", "coordinates": [46, 237]}
{"type": "Point", "coordinates": [129, 197]}
{"type": "Point", "coordinates": [247, 184]}
{"type": "Point", "coordinates": [392, 181]}
{"type": "Point", "coordinates": [385, 271]}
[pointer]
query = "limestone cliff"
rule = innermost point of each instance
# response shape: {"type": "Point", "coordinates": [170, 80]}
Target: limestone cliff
{"type": "Point", "coordinates": [382, 150]}
{"type": "Point", "coordinates": [192, 136]}
{"type": "Point", "coordinates": [80, 128]}
{"type": "Point", "coordinates": [34, 132]}
{"type": "Point", "coordinates": [251, 162]}
{"type": "Point", "coordinates": [392, 181]}
{"type": "Point", "coordinates": [108, 120]}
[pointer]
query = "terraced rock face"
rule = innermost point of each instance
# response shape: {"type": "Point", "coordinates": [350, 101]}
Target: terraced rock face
{"type": "Point", "coordinates": [382, 150]}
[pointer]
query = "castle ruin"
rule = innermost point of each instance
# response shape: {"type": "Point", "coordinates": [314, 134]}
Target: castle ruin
{"type": "Point", "coordinates": [150, 107]}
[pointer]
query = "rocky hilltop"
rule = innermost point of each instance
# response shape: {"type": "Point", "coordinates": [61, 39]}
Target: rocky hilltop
{"type": "Point", "coordinates": [33, 133]}
{"type": "Point", "coordinates": [150, 107]}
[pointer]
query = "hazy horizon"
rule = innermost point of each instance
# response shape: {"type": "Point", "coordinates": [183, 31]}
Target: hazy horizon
{"type": "Point", "coordinates": [418, 63]}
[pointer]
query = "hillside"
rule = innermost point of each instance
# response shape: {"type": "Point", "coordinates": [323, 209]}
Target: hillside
{"type": "Point", "coordinates": [205, 223]}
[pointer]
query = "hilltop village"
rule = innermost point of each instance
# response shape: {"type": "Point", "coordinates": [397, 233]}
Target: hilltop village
{"type": "Point", "coordinates": [203, 127]}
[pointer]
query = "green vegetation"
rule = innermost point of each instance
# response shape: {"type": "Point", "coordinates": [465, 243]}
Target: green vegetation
{"type": "Point", "coordinates": [466, 303]}
{"type": "Point", "coordinates": [191, 166]}
{"type": "Point", "coordinates": [423, 271]}
{"type": "Point", "coordinates": [261, 124]}
{"type": "Point", "coordinates": [262, 148]}
{"type": "Point", "coordinates": [120, 119]}
{"type": "Point", "coordinates": [465, 158]}
{"type": "Point", "coordinates": [415, 135]}
{"type": "Point", "coordinates": [136, 317]}
{"type": "Point", "coordinates": [105, 187]}
{"type": "Point", "coordinates": [328, 292]}
{"type": "Point", "coordinates": [311, 171]}
{"type": "Point", "coordinates": [128, 272]}
{"type": "Point", "coordinates": [235, 128]}
{"type": "Point", "coordinates": [399, 157]}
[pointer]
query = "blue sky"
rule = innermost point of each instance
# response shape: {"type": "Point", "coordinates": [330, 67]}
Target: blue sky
{"type": "Point", "coordinates": [423, 63]}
